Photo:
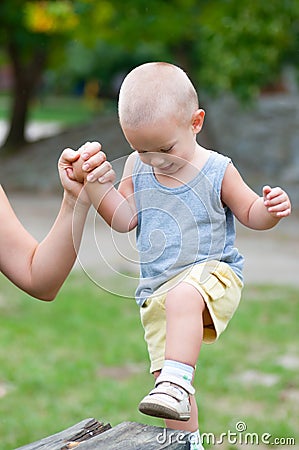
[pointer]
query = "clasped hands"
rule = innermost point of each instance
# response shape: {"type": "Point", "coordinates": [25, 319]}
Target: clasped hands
{"type": "Point", "coordinates": [91, 165]}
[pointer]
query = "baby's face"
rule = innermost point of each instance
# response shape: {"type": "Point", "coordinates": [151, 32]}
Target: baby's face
{"type": "Point", "coordinates": [165, 146]}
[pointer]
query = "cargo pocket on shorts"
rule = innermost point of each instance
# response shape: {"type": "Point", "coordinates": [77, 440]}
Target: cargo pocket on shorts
{"type": "Point", "coordinates": [222, 276]}
{"type": "Point", "coordinates": [223, 293]}
{"type": "Point", "coordinates": [217, 282]}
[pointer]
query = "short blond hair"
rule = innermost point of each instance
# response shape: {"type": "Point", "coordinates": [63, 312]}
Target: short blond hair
{"type": "Point", "coordinates": [155, 90]}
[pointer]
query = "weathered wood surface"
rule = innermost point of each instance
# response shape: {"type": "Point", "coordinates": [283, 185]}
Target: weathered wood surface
{"type": "Point", "coordinates": [82, 431]}
{"type": "Point", "coordinates": [90, 434]}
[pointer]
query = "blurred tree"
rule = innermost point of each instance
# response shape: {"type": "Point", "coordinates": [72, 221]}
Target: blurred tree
{"type": "Point", "coordinates": [223, 44]}
{"type": "Point", "coordinates": [245, 45]}
{"type": "Point", "coordinates": [29, 31]}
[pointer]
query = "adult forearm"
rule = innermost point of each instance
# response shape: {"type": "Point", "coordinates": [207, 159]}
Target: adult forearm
{"type": "Point", "coordinates": [54, 257]}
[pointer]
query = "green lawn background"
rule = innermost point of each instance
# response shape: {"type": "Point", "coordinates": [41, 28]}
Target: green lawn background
{"type": "Point", "coordinates": [83, 355]}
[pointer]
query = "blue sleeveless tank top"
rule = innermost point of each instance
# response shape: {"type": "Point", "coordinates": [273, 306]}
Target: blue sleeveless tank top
{"type": "Point", "coordinates": [182, 226]}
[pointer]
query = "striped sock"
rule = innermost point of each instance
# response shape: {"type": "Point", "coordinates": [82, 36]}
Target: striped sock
{"type": "Point", "coordinates": [195, 441]}
{"type": "Point", "coordinates": [178, 369]}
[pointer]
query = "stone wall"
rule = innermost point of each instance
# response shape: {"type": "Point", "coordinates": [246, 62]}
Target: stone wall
{"type": "Point", "coordinates": [262, 139]}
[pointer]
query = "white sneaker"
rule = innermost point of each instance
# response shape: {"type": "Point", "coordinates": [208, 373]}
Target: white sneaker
{"type": "Point", "coordinates": [168, 400]}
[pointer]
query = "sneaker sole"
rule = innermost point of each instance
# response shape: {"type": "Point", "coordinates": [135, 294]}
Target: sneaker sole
{"type": "Point", "coordinates": [155, 410]}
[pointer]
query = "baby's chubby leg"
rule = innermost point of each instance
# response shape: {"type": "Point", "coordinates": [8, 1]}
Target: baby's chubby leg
{"type": "Point", "coordinates": [172, 397]}
{"type": "Point", "coordinates": [184, 333]}
{"type": "Point", "coordinates": [184, 324]}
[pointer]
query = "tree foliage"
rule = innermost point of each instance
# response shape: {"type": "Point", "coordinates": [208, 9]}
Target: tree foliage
{"type": "Point", "coordinates": [246, 44]}
{"type": "Point", "coordinates": [30, 31]}
{"type": "Point", "coordinates": [225, 45]}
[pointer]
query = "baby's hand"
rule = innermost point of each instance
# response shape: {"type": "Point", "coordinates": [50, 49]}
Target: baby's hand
{"type": "Point", "coordinates": [277, 202]}
{"type": "Point", "coordinates": [92, 164]}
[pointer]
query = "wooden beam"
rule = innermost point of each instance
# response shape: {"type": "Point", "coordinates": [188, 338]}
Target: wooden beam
{"type": "Point", "coordinates": [89, 434]}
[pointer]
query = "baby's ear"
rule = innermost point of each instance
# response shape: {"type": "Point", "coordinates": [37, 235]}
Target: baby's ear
{"type": "Point", "coordinates": [198, 118]}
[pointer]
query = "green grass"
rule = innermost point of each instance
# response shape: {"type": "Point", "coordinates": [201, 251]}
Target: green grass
{"type": "Point", "coordinates": [65, 110]}
{"type": "Point", "coordinates": [84, 356]}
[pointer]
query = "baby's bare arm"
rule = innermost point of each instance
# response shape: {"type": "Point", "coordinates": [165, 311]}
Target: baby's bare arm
{"type": "Point", "coordinates": [112, 205]}
{"type": "Point", "coordinates": [253, 211]}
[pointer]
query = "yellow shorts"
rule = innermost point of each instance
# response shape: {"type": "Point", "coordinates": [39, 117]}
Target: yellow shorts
{"type": "Point", "coordinates": [221, 290]}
